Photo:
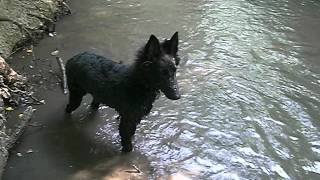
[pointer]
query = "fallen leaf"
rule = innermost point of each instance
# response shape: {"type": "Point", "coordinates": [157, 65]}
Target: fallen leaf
{"type": "Point", "coordinates": [9, 109]}
{"type": "Point", "coordinates": [30, 151]}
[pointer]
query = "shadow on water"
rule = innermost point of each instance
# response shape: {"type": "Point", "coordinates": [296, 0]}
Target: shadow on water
{"type": "Point", "coordinates": [65, 146]}
{"type": "Point", "coordinates": [93, 158]}
{"type": "Point", "coordinates": [249, 76]}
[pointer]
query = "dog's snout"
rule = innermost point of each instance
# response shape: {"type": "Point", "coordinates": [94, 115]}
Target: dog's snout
{"type": "Point", "coordinates": [172, 92]}
{"type": "Point", "coordinates": [176, 91]}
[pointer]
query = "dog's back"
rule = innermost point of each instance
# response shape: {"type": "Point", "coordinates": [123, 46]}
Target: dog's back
{"type": "Point", "coordinates": [86, 67]}
{"type": "Point", "coordinates": [97, 75]}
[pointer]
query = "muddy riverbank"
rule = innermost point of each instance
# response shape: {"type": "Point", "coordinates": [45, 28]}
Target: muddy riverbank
{"type": "Point", "coordinates": [22, 22]}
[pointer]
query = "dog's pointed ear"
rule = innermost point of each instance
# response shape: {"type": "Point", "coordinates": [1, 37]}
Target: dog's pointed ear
{"type": "Point", "coordinates": [152, 48]}
{"type": "Point", "coordinates": [174, 44]}
{"type": "Point", "coordinates": [171, 47]}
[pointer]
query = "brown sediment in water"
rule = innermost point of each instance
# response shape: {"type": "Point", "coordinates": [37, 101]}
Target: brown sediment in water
{"type": "Point", "coordinates": [21, 22]}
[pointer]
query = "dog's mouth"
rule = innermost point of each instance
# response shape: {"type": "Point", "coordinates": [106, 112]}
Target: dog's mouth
{"type": "Point", "coordinates": [172, 90]}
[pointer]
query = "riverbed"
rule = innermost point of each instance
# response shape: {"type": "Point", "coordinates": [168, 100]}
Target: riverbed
{"type": "Point", "coordinates": [250, 83]}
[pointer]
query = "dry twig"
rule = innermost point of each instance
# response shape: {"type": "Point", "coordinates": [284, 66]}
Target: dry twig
{"type": "Point", "coordinates": [136, 170]}
{"type": "Point", "coordinates": [64, 76]}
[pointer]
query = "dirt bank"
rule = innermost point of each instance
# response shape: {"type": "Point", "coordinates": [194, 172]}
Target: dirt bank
{"type": "Point", "coordinates": [21, 22]}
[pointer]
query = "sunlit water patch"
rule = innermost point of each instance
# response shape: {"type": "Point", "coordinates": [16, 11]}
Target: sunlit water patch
{"type": "Point", "coordinates": [250, 102]}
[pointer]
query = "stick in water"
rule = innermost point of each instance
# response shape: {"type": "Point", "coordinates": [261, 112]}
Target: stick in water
{"type": "Point", "coordinates": [64, 76]}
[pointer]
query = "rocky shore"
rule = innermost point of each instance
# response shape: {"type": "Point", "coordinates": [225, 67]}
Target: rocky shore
{"type": "Point", "coordinates": [22, 22]}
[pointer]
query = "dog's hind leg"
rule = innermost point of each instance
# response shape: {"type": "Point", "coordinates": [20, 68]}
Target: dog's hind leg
{"type": "Point", "coordinates": [127, 128]}
{"type": "Point", "coordinates": [75, 98]}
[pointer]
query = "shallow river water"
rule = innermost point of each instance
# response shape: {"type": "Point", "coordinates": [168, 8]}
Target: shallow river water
{"type": "Point", "coordinates": [250, 79]}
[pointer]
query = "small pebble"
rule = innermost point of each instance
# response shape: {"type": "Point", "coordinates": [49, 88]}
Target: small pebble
{"type": "Point", "coordinates": [20, 115]}
{"type": "Point", "coordinates": [54, 53]}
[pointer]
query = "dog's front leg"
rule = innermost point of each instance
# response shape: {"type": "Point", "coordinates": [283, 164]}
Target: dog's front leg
{"type": "Point", "coordinates": [127, 128]}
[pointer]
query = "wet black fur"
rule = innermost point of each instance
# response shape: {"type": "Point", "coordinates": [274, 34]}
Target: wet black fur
{"type": "Point", "coordinates": [129, 89]}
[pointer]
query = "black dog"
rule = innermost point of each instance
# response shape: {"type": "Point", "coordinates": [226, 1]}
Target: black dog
{"type": "Point", "coordinates": [129, 89]}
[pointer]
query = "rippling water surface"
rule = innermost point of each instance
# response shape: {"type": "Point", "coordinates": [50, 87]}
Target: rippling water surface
{"type": "Point", "coordinates": [250, 78]}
